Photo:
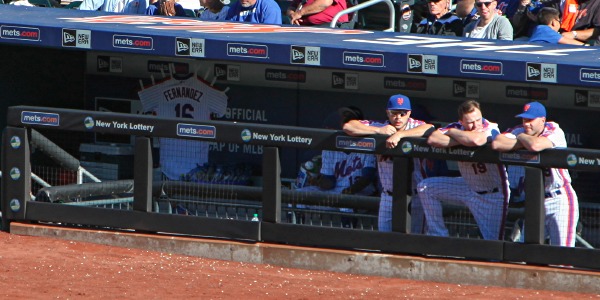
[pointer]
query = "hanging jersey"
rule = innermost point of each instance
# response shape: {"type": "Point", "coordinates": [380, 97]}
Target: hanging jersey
{"type": "Point", "coordinates": [192, 98]}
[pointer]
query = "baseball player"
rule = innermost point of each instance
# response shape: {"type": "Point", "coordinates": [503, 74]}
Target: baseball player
{"type": "Point", "coordinates": [342, 172]}
{"type": "Point", "coordinates": [561, 203]}
{"type": "Point", "coordinates": [483, 187]}
{"type": "Point", "coordinates": [398, 125]}
{"type": "Point", "coordinates": [191, 98]}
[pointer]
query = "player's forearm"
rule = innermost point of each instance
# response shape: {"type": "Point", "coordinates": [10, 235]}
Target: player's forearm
{"type": "Point", "coordinates": [468, 138]}
{"type": "Point", "coordinates": [504, 144]}
{"type": "Point", "coordinates": [359, 184]}
{"type": "Point", "coordinates": [438, 139]}
{"type": "Point", "coordinates": [356, 128]}
{"type": "Point", "coordinates": [534, 143]}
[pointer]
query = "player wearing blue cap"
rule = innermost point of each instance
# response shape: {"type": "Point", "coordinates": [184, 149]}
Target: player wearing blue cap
{"type": "Point", "coordinates": [482, 187]}
{"type": "Point", "coordinates": [398, 125]}
{"type": "Point", "coordinates": [536, 134]}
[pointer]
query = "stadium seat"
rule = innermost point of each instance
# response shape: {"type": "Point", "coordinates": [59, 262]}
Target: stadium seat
{"type": "Point", "coordinates": [73, 5]}
{"type": "Point", "coordinates": [41, 3]}
{"type": "Point", "coordinates": [190, 13]}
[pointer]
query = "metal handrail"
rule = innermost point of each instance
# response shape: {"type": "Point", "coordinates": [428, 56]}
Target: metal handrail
{"type": "Point", "coordinates": [364, 5]}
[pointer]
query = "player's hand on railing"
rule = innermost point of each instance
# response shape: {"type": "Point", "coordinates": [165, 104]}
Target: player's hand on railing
{"type": "Point", "coordinates": [387, 130]}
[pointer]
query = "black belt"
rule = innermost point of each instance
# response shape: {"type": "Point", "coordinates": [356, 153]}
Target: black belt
{"type": "Point", "coordinates": [553, 193]}
{"type": "Point", "coordinates": [495, 190]}
{"type": "Point", "coordinates": [390, 192]}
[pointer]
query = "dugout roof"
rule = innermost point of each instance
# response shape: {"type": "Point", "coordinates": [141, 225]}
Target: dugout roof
{"type": "Point", "coordinates": [385, 52]}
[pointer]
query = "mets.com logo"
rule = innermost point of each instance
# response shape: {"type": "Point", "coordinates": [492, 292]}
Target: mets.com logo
{"type": "Point", "coordinates": [19, 33]}
{"type": "Point", "coordinates": [197, 131]}
{"type": "Point", "coordinates": [480, 67]}
{"type": "Point", "coordinates": [40, 118]}
{"type": "Point", "coordinates": [132, 42]}
{"type": "Point", "coordinates": [247, 50]}
{"type": "Point", "coordinates": [363, 59]}
{"type": "Point", "coordinates": [353, 143]}
{"type": "Point", "coordinates": [88, 122]}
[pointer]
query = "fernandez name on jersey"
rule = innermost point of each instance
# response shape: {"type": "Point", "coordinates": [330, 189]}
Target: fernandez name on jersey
{"type": "Point", "coordinates": [178, 92]}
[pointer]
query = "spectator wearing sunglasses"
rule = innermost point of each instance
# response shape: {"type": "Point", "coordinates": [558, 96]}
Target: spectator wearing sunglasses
{"type": "Point", "coordinates": [439, 20]}
{"type": "Point", "coordinates": [490, 25]}
{"type": "Point", "coordinates": [547, 29]}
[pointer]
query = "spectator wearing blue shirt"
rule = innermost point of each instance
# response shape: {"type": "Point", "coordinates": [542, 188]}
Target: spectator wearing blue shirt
{"type": "Point", "coordinates": [166, 8]}
{"type": "Point", "coordinates": [214, 9]}
{"type": "Point", "coordinates": [255, 11]}
{"type": "Point", "coordinates": [131, 7]}
{"type": "Point", "coordinates": [547, 29]}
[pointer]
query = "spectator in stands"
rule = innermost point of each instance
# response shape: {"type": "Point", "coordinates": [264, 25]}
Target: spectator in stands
{"type": "Point", "coordinates": [561, 203]}
{"type": "Point", "coordinates": [524, 18]}
{"type": "Point", "coordinates": [440, 21]}
{"type": "Point", "coordinates": [166, 8]}
{"type": "Point", "coordinates": [255, 11]}
{"type": "Point", "coordinates": [398, 125]}
{"type": "Point", "coordinates": [587, 25]}
{"type": "Point", "coordinates": [466, 11]}
{"type": "Point", "coordinates": [482, 187]}
{"type": "Point", "coordinates": [316, 12]}
{"type": "Point", "coordinates": [489, 25]}
{"type": "Point", "coordinates": [214, 9]}
{"type": "Point", "coordinates": [131, 7]}
{"type": "Point", "coordinates": [547, 30]}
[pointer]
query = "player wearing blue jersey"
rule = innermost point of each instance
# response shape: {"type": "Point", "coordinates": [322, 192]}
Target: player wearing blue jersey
{"type": "Point", "coordinates": [483, 187]}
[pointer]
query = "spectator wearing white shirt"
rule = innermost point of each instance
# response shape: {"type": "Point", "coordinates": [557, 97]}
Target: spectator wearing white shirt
{"type": "Point", "coordinates": [490, 25]}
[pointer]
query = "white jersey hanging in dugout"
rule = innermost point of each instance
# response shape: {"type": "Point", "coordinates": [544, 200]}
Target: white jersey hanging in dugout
{"type": "Point", "coordinates": [191, 98]}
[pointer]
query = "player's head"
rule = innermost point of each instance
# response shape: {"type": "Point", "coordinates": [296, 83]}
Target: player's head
{"type": "Point", "coordinates": [341, 116]}
{"type": "Point", "coordinates": [534, 118]}
{"type": "Point", "coordinates": [469, 115]}
{"type": "Point", "coordinates": [398, 110]}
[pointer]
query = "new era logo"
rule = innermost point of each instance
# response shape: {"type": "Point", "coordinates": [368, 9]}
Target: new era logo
{"type": "Point", "coordinates": [459, 89]}
{"type": "Point", "coordinates": [581, 98]}
{"type": "Point", "coordinates": [221, 72]}
{"type": "Point", "coordinates": [413, 63]}
{"type": "Point", "coordinates": [337, 80]}
{"type": "Point", "coordinates": [534, 71]}
{"type": "Point", "coordinates": [298, 55]}
{"type": "Point", "coordinates": [182, 46]}
{"type": "Point", "coordinates": [68, 38]}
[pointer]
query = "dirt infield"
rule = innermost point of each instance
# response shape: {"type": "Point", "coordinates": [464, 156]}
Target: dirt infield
{"type": "Point", "coordinates": [44, 268]}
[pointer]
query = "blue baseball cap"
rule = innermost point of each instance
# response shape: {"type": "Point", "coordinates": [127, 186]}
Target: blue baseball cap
{"type": "Point", "coordinates": [533, 110]}
{"type": "Point", "coordinates": [398, 102]}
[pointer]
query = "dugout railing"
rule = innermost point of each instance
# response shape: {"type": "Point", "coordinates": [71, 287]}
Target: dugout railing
{"type": "Point", "coordinates": [139, 194]}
